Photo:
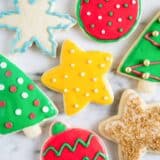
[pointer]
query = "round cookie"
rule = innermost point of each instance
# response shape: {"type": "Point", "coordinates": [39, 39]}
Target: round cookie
{"type": "Point", "coordinates": [22, 104]}
{"type": "Point", "coordinates": [108, 20]}
{"type": "Point", "coordinates": [70, 143]}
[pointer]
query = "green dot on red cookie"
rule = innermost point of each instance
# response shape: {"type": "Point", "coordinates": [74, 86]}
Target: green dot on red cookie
{"type": "Point", "coordinates": [2, 103]}
{"type": "Point", "coordinates": [9, 125]}
{"type": "Point", "coordinates": [8, 73]}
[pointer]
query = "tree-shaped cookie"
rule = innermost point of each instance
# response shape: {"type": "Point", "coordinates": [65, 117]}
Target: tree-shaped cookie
{"type": "Point", "coordinates": [136, 128]}
{"type": "Point", "coordinates": [23, 106]}
{"type": "Point", "coordinates": [108, 20]}
{"type": "Point", "coordinates": [142, 61]}
{"type": "Point", "coordinates": [80, 77]}
{"type": "Point", "coordinates": [71, 144]}
{"type": "Point", "coordinates": [35, 22]}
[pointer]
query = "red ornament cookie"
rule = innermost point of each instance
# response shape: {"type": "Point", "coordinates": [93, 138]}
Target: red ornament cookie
{"type": "Point", "coordinates": [108, 20]}
{"type": "Point", "coordinates": [73, 144]}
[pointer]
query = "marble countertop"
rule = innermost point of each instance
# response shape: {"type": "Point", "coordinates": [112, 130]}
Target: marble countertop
{"type": "Point", "coordinates": [17, 146]}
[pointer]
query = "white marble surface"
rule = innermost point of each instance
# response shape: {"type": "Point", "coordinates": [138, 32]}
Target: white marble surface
{"type": "Point", "coordinates": [18, 147]}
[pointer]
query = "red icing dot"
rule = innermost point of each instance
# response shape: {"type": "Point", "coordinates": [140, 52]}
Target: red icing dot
{"type": "Point", "coordinates": [36, 102]}
{"type": "Point", "coordinates": [9, 125]}
{"type": "Point", "coordinates": [31, 87]}
{"type": "Point", "coordinates": [2, 103]}
{"type": "Point", "coordinates": [32, 116]}
{"type": "Point", "coordinates": [8, 73]}
{"type": "Point", "coordinates": [13, 89]}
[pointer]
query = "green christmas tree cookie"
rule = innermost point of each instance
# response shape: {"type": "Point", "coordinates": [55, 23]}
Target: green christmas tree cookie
{"type": "Point", "coordinates": [22, 104]}
{"type": "Point", "coordinates": [142, 61]}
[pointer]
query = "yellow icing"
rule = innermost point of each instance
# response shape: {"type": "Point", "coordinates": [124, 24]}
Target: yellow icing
{"type": "Point", "coordinates": [80, 77]}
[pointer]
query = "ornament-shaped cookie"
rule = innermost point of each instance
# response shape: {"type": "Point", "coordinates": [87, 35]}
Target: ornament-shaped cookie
{"type": "Point", "coordinates": [108, 20]}
{"type": "Point", "coordinates": [35, 22]}
{"type": "Point", "coordinates": [80, 77]}
{"type": "Point", "coordinates": [23, 106]}
{"type": "Point", "coordinates": [71, 144]}
{"type": "Point", "coordinates": [136, 128]}
{"type": "Point", "coordinates": [142, 61]}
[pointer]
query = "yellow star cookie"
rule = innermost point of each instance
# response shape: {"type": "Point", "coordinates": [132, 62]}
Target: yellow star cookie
{"type": "Point", "coordinates": [136, 128]}
{"type": "Point", "coordinates": [80, 77]}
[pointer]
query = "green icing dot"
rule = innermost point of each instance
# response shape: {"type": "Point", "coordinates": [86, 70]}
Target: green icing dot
{"type": "Point", "coordinates": [85, 158]}
{"type": "Point", "coordinates": [130, 17]}
{"type": "Point", "coordinates": [92, 25]}
{"type": "Point", "coordinates": [58, 127]}
{"type": "Point", "coordinates": [109, 23]}
{"type": "Point", "coordinates": [100, 5]}
{"type": "Point", "coordinates": [120, 29]}
{"type": "Point", "coordinates": [110, 13]}
{"type": "Point", "coordinates": [86, 1]}
{"type": "Point", "coordinates": [126, 5]}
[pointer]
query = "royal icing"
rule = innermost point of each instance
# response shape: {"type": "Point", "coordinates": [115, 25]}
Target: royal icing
{"type": "Point", "coordinates": [71, 143]}
{"type": "Point", "coordinates": [142, 60]}
{"type": "Point", "coordinates": [22, 103]}
{"type": "Point", "coordinates": [136, 128]}
{"type": "Point", "coordinates": [35, 22]}
{"type": "Point", "coordinates": [108, 20]}
{"type": "Point", "coordinates": [80, 77]}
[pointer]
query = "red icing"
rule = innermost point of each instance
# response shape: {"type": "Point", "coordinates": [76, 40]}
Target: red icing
{"type": "Point", "coordinates": [13, 89]}
{"type": "Point", "coordinates": [8, 73]}
{"type": "Point", "coordinates": [70, 137]}
{"type": "Point", "coordinates": [2, 103]}
{"type": "Point", "coordinates": [9, 125]}
{"type": "Point", "coordinates": [31, 87]}
{"type": "Point", "coordinates": [111, 32]}
{"type": "Point", "coordinates": [32, 116]}
{"type": "Point", "coordinates": [36, 102]}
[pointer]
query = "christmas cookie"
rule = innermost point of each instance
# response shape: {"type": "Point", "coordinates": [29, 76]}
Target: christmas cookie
{"type": "Point", "coordinates": [71, 144]}
{"type": "Point", "coordinates": [22, 104]}
{"type": "Point", "coordinates": [142, 61]}
{"type": "Point", "coordinates": [35, 21]}
{"type": "Point", "coordinates": [80, 77]}
{"type": "Point", "coordinates": [108, 20]}
{"type": "Point", "coordinates": [136, 128]}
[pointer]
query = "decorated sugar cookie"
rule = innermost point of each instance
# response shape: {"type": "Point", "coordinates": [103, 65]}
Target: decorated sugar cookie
{"type": "Point", "coordinates": [142, 61]}
{"type": "Point", "coordinates": [23, 106]}
{"type": "Point", "coordinates": [136, 128]}
{"type": "Point", "coordinates": [108, 20]}
{"type": "Point", "coordinates": [71, 144]}
{"type": "Point", "coordinates": [35, 21]}
{"type": "Point", "coordinates": [80, 77]}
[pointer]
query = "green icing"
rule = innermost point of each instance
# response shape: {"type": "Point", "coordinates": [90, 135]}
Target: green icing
{"type": "Point", "coordinates": [58, 127]}
{"type": "Point", "coordinates": [22, 103]}
{"type": "Point", "coordinates": [74, 147]}
{"type": "Point", "coordinates": [144, 51]}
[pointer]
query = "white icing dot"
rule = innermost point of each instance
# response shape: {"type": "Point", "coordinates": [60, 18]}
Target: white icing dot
{"type": "Point", "coordinates": [72, 51]}
{"type": "Point", "coordinates": [102, 65]}
{"type": "Point", "coordinates": [120, 19]}
{"type": "Point", "coordinates": [134, 2]}
{"type": "Point", "coordinates": [87, 94]}
{"type": "Point", "coordinates": [105, 98]}
{"type": "Point", "coordinates": [18, 112]}
{"type": "Point", "coordinates": [103, 31]}
{"type": "Point", "coordinates": [65, 90]}
{"type": "Point", "coordinates": [77, 89]}
{"type": "Point", "coordinates": [72, 65]}
{"type": "Point", "coordinates": [88, 13]}
{"type": "Point", "coordinates": [76, 106]}
{"type": "Point", "coordinates": [2, 87]}
{"type": "Point", "coordinates": [94, 79]}
{"type": "Point", "coordinates": [89, 61]}
{"type": "Point", "coordinates": [96, 90]}
{"type": "Point", "coordinates": [54, 80]}
{"type": "Point", "coordinates": [100, 17]}
{"type": "Point", "coordinates": [118, 6]}
{"type": "Point", "coordinates": [24, 95]}
{"type": "Point", "coordinates": [66, 76]}
{"type": "Point", "coordinates": [82, 74]}
{"type": "Point", "coordinates": [20, 80]}
{"type": "Point", "coordinates": [45, 109]}
{"type": "Point", "coordinates": [3, 65]}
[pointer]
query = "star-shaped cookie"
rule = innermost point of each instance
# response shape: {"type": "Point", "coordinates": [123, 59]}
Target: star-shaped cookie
{"type": "Point", "coordinates": [35, 21]}
{"type": "Point", "coordinates": [136, 128]}
{"type": "Point", "coordinates": [80, 77]}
